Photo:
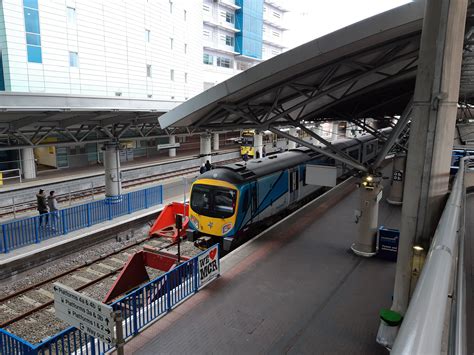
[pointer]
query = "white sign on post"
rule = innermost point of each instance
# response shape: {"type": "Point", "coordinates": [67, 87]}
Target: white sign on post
{"type": "Point", "coordinates": [84, 313]}
{"type": "Point", "coordinates": [208, 264]}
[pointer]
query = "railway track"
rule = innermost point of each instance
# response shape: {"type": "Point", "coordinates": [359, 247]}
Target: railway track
{"type": "Point", "coordinates": [90, 193]}
{"type": "Point", "coordinates": [24, 311]}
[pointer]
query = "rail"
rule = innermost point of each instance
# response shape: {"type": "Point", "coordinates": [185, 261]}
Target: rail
{"type": "Point", "coordinates": [422, 329]}
{"type": "Point", "coordinates": [138, 308]}
{"type": "Point", "coordinates": [19, 233]}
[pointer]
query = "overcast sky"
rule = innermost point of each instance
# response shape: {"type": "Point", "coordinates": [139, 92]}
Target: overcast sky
{"type": "Point", "coordinates": [310, 19]}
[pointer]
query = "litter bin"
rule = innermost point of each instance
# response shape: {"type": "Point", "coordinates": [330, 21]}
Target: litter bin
{"type": "Point", "coordinates": [387, 243]}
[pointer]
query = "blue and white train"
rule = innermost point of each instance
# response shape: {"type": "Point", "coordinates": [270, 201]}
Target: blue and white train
{"type": "Point", "coordinates": [227, 202]}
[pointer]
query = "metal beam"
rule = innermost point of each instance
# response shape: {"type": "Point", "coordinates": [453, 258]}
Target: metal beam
{"type": "Point", "coordinates": [334, 156]}
{"type": "Point", "coordinates": [401, 124]}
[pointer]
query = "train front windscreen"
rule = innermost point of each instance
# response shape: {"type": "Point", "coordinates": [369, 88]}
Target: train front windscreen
{"type": "Point", "coordinates": [212, 201]}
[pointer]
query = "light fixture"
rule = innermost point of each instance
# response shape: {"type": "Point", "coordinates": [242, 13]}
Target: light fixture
{"type": "Point", "coordinates": [418, 248]}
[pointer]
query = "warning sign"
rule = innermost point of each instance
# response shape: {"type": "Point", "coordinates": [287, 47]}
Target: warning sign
{"type": "Point", "coordinates": [208, 265]}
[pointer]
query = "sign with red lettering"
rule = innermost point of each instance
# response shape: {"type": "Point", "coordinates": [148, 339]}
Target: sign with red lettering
{"type": "Point", "coordinates": [208, 263]}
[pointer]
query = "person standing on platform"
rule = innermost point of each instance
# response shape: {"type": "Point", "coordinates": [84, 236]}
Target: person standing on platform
{"type": "Point", "coordinates": [202, 170]}
{"type": "Point", "coordinates": [245, 157]}
{"type": "Point", "coordinates": [263, 152]}
{"type": "Point", "coordinates": [208, 165]}
{"type": "Point", "coordinates": [42, 206]}
{"type": "Point", "coordinates": [53, 209]}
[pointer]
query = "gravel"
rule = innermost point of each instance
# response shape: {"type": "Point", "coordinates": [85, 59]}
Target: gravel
{"type": "Point", "coordinates": [43, 324]}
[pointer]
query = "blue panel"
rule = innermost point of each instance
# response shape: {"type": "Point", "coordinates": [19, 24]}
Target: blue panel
{"type": "Point", "coordinates": [34, 54]}
{"type": "Point", "coordinates": [249, 20]}
{"type": "Point", "coordinates": [33, 39]}
{"type": "Point", "coordinates": [31, 3]}
{"type": "Point", "coordinates": [31, 21]}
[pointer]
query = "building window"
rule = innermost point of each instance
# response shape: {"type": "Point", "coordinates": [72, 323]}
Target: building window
{"type": "Point", "coordinates": [147, 36]}
{"type": "Point", "coordinates": [185, 77]}
{"type": "Point", "coordinates": [73, 59]}
{"type": "Point", "coordinates": [148, 70]}
{"type": "Point", "coordinates": [229, 17]}
{"type": "Point", "coordinates": [71, 15]}
{"type": "Point", "coordinates": [185, 48]}
{"type": "Point", "coordinates": [224, 62]}
{"type": "Point", "coordinates": [172, 74]}
{"type": "Point", "coordinates": [208, 59]}
{"type": "Point", "coordinates": [185, 15]}
{"type": "Point", "coordinates": [229, 40]}
{"type": "Point", "coordinates": [32, 29]}
{"type": "Point", "coordinates": [171, 43]}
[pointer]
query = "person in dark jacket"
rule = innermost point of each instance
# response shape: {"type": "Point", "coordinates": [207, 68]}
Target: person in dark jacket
{"type": "Point", "coordinates": [42, 206]}
{"type": "Point", "coordinates": [208, 165]}
{"type": "Point", "coordinates": [202, 170]}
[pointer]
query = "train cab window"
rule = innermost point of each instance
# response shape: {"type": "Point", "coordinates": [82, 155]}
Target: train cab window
{"type": "Point", "coordinates": [213, 201]}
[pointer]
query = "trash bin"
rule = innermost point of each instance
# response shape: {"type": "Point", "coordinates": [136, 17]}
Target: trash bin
{"type": "Point", "coordinates": [387, 243]}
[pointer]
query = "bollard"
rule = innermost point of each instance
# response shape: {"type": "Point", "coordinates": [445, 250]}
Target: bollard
{"type": "Point", "coordinates": [119, 342]}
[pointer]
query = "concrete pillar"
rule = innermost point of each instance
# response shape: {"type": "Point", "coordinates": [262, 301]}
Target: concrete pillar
{"type": "Point", "coordinates": [396, 184]}
{"type": "Point", "coordinates": [334, 131]}
{"type": "Point", "coordinates": [28, 163]}
{"type": "Point", "coordinates": [113, 175]}
{"type": "Point", "coordinates": [292, 144]}
{"type": "Point", "coordinates": [258, 144]}
{"type": "Point", "coordinates": [215, 141]}
{"type": "Point", "coordinates": [367, 219]}
{"type": "Point", "coordinates": [431, 135]}
{"type": "Point", "coordinates": [172, 151]}
{"type": "Point", "coordinates": [205, 151]}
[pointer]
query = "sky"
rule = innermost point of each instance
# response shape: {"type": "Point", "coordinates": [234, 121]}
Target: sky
{"type": "Point", "coordinates": [310, 19]}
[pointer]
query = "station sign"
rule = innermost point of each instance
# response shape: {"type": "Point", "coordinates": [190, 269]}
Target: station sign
{"type": "Point", "coordinates": [84, 313]}
{"type": "Point", "coordinates": [209, 266]}
{"type": "Point", "coordinates": [168, 146]}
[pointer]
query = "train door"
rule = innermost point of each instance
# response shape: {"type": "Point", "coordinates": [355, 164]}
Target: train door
{"type": "Point", "coordinates": [294, 184]}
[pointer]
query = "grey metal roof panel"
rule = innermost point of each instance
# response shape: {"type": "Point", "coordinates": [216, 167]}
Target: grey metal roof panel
{"type": "Point", "coordinates": [363, 35]}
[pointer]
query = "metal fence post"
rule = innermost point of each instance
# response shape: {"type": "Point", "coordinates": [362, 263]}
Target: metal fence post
{"type": "Point", "coordinates": [64, 221]}
{"type": "Point", "coordinates": [196, 275]}
{"type": "Point", "coordinates": [37, 227]}
{"type": "Point", "coordinates": [129, 202]}
{"type": "Point", "coordinates": [92, 342]}
{"type": "Point", "coordinates": [161, 194]}
{"type": "Point", "coordinates": [88, 214]}
{"type": "Point", "coordinates": [168, 293]}
{"type": "Point", "coordinates": [146, 198]}
{"type": "Point", "coordinates": [135, 314]}
{"type": "Point", "coordinates": [4, 234]}
{"type": "Point", "coordinates": [109, 204]}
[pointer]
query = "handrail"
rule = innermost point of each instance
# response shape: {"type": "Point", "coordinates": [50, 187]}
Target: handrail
{"type": "Point", "coordinates": [422, 329]}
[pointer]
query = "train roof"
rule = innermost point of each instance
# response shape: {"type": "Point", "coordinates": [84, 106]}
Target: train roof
{"type": "Point", "coordinates": [238, 173]}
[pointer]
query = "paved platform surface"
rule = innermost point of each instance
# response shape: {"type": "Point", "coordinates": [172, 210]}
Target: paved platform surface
{"type": "Point", "coordinates": [469, 268]}
{"type": "Point", "coordinates": [296, 289]}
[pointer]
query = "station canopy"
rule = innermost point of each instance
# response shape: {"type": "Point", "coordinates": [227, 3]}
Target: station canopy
{"type": "Point", "coordinates": [366, 70]}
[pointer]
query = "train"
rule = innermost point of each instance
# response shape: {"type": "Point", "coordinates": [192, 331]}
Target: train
{"type": "Point", "coordinates": [227, 202]}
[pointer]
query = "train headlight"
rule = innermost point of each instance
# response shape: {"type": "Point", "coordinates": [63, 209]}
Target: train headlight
{"type": "Point", "coordinates": [226, 227]}
{"type": "Point", "coordinates": [194, 221]}
{"type": "Point", "coordinates": [369, 178]}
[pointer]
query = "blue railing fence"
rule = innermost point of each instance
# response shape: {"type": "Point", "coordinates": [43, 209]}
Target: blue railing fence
{"type": "Point", "coordinates": [19, 233]}
{"type": "Point", "coordinates": [138, 308]}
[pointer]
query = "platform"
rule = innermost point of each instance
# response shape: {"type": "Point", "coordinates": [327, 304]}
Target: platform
{"type": "Point", "coordinates": [296, 288]}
